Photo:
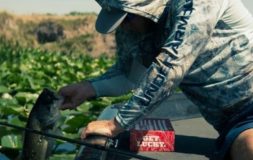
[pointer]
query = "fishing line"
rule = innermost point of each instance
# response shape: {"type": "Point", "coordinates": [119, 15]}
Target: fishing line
{"type": "Point", "coordinates": [113, 150]}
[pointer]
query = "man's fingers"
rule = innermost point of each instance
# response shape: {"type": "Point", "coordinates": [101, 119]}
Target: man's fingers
{"type": "Point", "coordinates": [69, 103]}
{"type": "Point", "coordinates": [97, 128]}
{"type": "Point", "coordinates": [64, 92]}
{"type": "Point", "coordinates": [84, 134]}
{"type": "Point", "coordinates": [67, 106]}
{"type": "Point", "coordinates": [87, 131]}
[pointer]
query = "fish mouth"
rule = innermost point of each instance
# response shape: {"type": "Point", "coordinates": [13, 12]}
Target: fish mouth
{"type": "Point", "coordinates": [47, 108]}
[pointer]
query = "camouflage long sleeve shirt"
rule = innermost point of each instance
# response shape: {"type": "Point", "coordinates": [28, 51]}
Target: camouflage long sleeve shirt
{"type": "Point", "coordinates": [205, 47]}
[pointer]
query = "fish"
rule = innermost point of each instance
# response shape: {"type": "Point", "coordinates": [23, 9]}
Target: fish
{"type": "Point", "coordinates": [43, 117]}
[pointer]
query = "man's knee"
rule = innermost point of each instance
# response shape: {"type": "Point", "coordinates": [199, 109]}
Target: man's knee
{"type": "Point", "coordinates": [242, 147]}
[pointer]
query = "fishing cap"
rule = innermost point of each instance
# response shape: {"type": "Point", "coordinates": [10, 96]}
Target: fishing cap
{"type": "Point", "coordinates": [113, 12]}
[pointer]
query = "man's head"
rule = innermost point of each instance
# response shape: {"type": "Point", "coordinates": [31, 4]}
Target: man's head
{"type": "Point", "coordinates": [128, 13]}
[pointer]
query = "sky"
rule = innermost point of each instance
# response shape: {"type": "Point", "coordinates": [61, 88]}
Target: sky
{"type": "Point", "coordinates": [61, 6]}
{"type": "Point", "coordinates": [49, 6]}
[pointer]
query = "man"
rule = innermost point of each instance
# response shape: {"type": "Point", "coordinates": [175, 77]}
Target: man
{"type": "Point", "coordinates": [204, 47]}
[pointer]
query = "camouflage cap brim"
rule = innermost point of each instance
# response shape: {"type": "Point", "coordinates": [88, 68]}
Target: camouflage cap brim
{"type": "Point", "coordinates": [109, 19]}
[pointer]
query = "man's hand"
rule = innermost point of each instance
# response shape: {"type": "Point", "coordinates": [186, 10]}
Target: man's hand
{"type": "Point", "coordinates": [109, 128]}
{"type": "Point", "coordinates": [76, 94]}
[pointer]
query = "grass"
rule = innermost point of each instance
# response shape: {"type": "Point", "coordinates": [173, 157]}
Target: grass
{"type": "Point", "coordinates": [79, 37]}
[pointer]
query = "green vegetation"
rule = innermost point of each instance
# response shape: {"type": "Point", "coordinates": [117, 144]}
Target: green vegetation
{"type": "Point", "coordinates": [25, 72]}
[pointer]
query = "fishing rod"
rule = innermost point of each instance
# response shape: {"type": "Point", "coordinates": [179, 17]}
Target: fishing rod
{"type": "Point", "coordinates": [113, 150]}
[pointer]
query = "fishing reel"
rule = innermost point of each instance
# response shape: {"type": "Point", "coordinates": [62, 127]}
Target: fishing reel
{"type": "Point", "coordinates": [102, 148]}
{"type": "Point", "coordinates": [102, 141]}
{"type": "Point", "coordinates": [96, 148]}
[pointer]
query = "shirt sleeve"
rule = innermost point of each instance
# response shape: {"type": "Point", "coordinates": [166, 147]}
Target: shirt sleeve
{"type": "Point", "coordinates": [125, 74]}
{"type": "Point", "coordinates": [112, 83]}
{"type": "Point", "coordinates": [190, 24]}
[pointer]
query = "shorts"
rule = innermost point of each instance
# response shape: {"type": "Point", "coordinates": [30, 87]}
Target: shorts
{"type": "Point", "coordinates": [239, 122]}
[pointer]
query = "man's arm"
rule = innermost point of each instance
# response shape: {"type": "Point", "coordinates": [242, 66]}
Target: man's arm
{"type": "Point", "coordinates": [113, 83]}
{"type": "Point", "coordinates": [126, 73]}
{"type": "Point", "coordinates": [190, 24]}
